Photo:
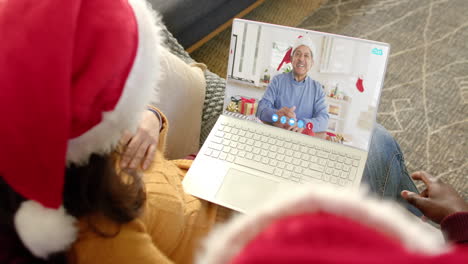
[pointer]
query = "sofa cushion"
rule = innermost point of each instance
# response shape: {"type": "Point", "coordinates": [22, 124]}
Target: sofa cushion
{"type": "Point", "coordinates": [215, 86]}
{"type": "Point", "coordinates": [181, 97]}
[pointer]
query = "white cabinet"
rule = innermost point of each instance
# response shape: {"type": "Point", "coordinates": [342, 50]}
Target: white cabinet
{"type": "Point", "coordinates": [337, 55]}
{"type": "Point", "coordinates": [337, 111]}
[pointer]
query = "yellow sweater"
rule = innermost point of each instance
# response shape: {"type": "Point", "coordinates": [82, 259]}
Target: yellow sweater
{"type": "Point", "coordinates": [167, 231]}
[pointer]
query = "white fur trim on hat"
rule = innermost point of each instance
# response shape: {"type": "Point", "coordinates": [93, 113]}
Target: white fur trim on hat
{"type": "Point", "coordinates": [44, 231]}
{"type": "Point", "coordinates": [141, 88]}
{"type": "Point", "coordinates": [304, 41]}
{"type": "Point", "coordinates": [226, 241]}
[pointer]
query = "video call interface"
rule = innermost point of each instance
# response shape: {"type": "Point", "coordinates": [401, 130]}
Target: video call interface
{"type": "Point", "coordinates": [307, 82]}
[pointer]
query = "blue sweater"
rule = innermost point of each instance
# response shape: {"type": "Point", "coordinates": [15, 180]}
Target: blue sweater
{"type": "Point", "coordinates": [307, 96]}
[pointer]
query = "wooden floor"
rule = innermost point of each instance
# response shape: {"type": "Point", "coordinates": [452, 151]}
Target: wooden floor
{"type": "Point", "coordinates": [214, 53]}
{"type": "Point", "coordinates": [224, 26]}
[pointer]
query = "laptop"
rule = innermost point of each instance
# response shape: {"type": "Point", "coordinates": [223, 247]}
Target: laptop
{"type": "Point", "coordinates": [299, 108]}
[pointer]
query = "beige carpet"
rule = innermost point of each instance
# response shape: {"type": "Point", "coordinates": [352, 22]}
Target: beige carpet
{"type": "Point", "coordinates": [425, 96]}
{"type": "Point", "coordinates": [424, 103]}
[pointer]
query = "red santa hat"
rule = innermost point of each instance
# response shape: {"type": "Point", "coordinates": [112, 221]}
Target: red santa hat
{"type": "Point", "coordinates": [323, 224]}
{"type": "Point", "coordinates": [304, 41]}
{"type": "Point", "coordinates": [74, 75]}
{"type": "Point", "coordinates": [300, 41]}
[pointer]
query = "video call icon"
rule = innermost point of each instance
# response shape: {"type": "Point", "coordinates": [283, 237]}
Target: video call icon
{"type": "Point", "coordinates": [283, 120]}
{"type": "Point", "coordinates": [291, 121]}
{"type": "Point", "coordinates": [274, 117]}
{"type": "Point", "coordinates": [300, 124]}
{"type": "Point", "coordinates": [377, 51]}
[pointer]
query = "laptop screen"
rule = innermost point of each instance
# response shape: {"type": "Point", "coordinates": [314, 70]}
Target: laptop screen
{"type": "Point", "coordinates": [308, 82]}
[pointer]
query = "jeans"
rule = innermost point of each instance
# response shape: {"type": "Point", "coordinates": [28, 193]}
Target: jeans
{"type": "Point", "coordinates": [385, 171]}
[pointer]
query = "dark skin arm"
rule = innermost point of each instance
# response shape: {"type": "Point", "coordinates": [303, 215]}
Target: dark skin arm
{"type": "Point", "coordinates": [438, 200]}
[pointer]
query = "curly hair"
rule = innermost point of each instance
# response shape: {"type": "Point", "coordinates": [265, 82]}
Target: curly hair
{"type": "Point", "coordinates": [93, 188]}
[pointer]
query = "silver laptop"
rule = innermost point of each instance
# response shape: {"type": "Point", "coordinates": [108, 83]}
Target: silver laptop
{"type": "Point", "coordinates": [299, 107]}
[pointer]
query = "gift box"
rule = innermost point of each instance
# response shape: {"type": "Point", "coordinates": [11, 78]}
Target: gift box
{"type": "Point", "coordinates": [248, 106]}
{"type": "Point", "coordinates": [233, 106]}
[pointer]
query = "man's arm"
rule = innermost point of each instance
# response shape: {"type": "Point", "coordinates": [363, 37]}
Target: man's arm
{"type": "Point", "coordinates": [320, 116]}
{"type": "Point", "coordinates": [265, 106]}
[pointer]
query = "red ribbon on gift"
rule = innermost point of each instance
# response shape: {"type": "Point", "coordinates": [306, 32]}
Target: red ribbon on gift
{"type": "Point", "coordinates": [247, 101]}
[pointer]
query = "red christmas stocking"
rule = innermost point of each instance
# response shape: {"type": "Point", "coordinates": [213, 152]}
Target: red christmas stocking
{"type": "Point", "coordinates": [359, 85]}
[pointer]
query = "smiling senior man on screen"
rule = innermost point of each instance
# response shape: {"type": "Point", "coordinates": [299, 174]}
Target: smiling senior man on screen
{"type": "Point", "coordinates": [296, 95]}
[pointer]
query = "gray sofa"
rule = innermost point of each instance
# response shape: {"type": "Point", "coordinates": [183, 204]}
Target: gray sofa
{"type": "Point", "coordinates": [191, 20]}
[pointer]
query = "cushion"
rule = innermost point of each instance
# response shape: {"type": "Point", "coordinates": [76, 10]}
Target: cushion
{"type": "Point", "coordinates": [181, 98]}
{"type": "Point", "coordinates": [215, 86]}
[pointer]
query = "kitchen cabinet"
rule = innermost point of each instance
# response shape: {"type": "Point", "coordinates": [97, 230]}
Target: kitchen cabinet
{"type": "Point", "coordinates": [337, 112]}
{"type": "Point", "coordinates": [337, 55]}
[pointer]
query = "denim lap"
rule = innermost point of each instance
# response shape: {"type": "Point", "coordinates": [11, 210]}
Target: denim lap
{"type": "Point", "coordinates": [385, 171]}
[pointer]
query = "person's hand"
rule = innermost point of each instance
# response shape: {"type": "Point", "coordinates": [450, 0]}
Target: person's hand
{"type": "Point", "coordinates": [295, 128]}
{"type": "Point", "coordinates": [278, 124]}
{"type": "Point", "coordinates": [285, 111]}
{"type": "Point", "coordinates": [139, 149]}
{"type": "Point", "coordinates": [438, 200]}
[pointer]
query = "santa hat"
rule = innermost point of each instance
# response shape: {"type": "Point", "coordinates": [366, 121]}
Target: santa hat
{"type": "Point", "coordinates": [324, 224]}
{"type": "Point", "coordinates": [74, 75]}
{"type": "Point", "coordinates": [300, 41]}
{"type": "Point", "coordinates": [304, 41]}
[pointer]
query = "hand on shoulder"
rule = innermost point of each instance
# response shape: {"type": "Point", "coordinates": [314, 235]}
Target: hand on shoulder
{"type": "Point", "coordinates": [140, 148]}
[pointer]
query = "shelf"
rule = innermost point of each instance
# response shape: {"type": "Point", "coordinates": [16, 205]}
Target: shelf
{"type": "Point", "coordinates": [335, 117]}
{"type": "Point", "coordinates": [336, 100]}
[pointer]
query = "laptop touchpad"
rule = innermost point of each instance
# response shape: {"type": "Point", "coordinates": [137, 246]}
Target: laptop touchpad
{"type": "Point", "coordinates": [244, 190]}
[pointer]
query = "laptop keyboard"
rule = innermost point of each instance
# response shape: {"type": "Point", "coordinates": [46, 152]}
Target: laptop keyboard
{"type": "Point", "coordinates": [282, 157]}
